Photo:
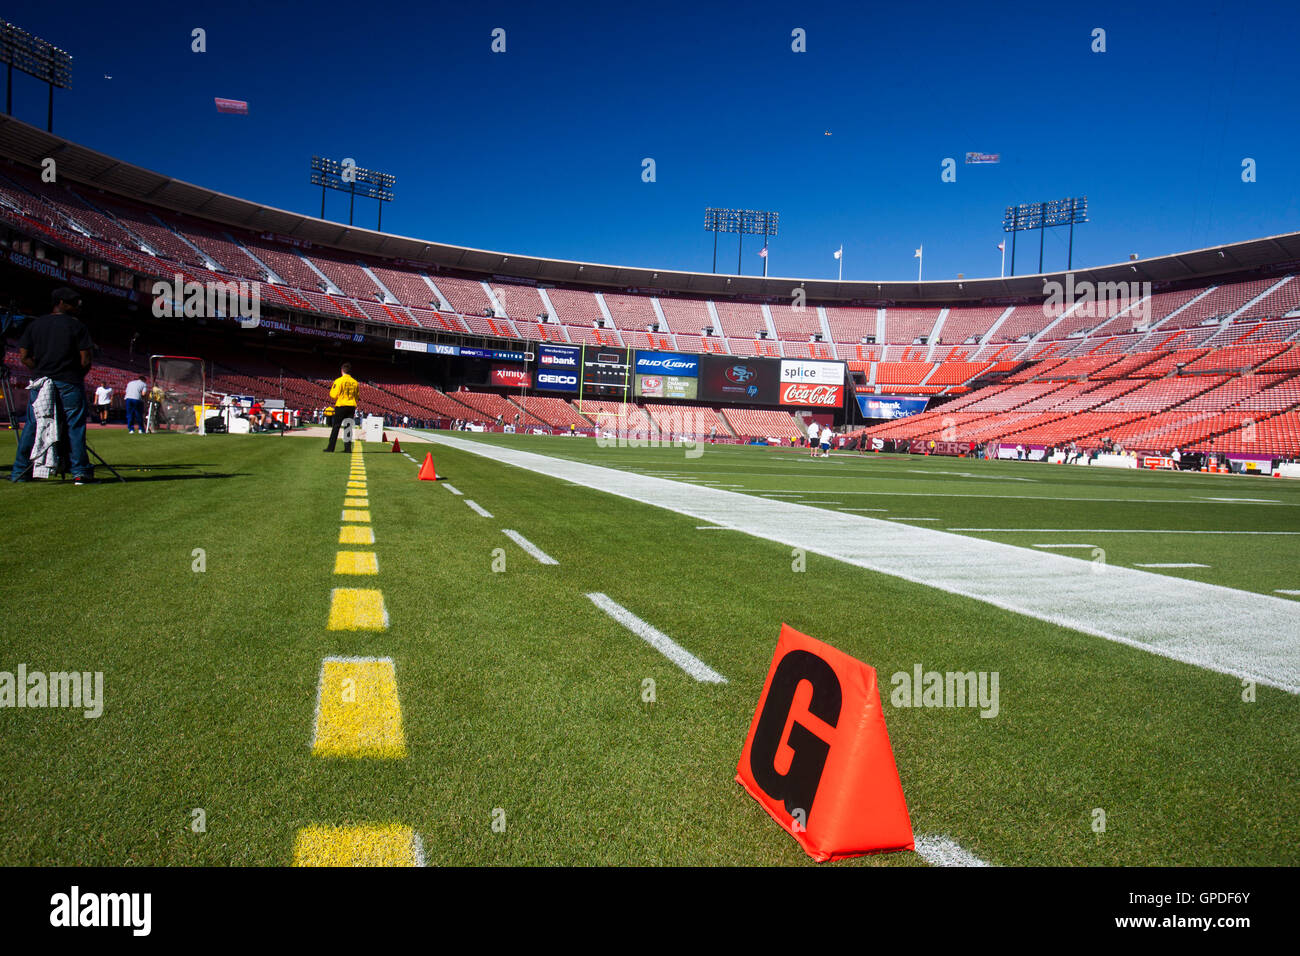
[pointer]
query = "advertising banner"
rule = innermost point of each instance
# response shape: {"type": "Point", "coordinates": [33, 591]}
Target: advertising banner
{"type": "Point", "coordinates": [666, 386]}
{"type": "Point", "coordinates": [667, 363]}
{"type": "Point", "coordinates": [402, 345]}
{"type": "Point", "coordinates": [556, 381]}
{"type": "Point", "coordinates": [810, 384]}
{"type": "Point", "coordinates": [510, 377]}
{"type": "Point", "coordinates": [724, 378]}
{"type": "Point", "coordinates": [559, 357]}
{"type": "Point", "coordinates": [892, 406]}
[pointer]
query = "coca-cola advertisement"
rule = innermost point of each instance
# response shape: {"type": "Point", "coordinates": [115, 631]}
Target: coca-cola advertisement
{"type": "Point", "coordinates": [812, 396]}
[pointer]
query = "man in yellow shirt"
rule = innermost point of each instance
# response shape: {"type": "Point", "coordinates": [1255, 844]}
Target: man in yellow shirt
{"type": "Point", "coordinates": [344, 395]}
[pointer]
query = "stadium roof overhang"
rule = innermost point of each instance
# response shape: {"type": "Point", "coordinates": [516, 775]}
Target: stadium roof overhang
{"type": "Point", "coordinates": [28, 146]}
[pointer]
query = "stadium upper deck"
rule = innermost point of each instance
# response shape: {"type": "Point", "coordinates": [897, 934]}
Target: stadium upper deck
{"type": "Point", "coordinates": [127, 226]}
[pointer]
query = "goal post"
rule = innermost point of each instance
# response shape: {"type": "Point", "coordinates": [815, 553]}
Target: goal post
{"type": "Point", "coordinates": [177, 394]}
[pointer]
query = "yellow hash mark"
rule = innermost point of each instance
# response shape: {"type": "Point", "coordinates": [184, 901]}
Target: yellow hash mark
{"type": "Point", "coordinates": [356, 534]}
{"type": "Point", "coordinates": [357, 609]}
{"type": "Point", "coordinates": [356, 562]}
{"type": "Point", "coordinates": [358, 713]}
{"type": "Point", "coordinates": [388, 844]}
{"type": "Point", "coordinates": [361, 517]}
{"type": "Point", "coordinates": [356, 502]}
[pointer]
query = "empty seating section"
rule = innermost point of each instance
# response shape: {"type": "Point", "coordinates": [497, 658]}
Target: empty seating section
{"type": "Point", "coordinates": [850, 324]}
{"type": "Point", "coordinates": [756, 423]}
{"type": "Point", "coordinates": [1024, 322]}
{"type": "Point", "coordinates": [348, 276]}
{"type": "Point", "coordinates": [228, 255]}
{"type": "Point", "coordinates": [1161, 394]}
{"type": "Point", "coordinates": [795, 325]}
{"type": "Point", "coordinates": [1277, 303]}
{"type": "Point", "coordinates": [465, 295]}
{"type": "Point", "coordinates": [409, 287]}
{"type": "Point", "coordinates": [1218, 303]}
{"type": "Point", "coordinates": [1002, 400]}
{"type": "Point", "coordinates": [740, 319]}
{"type": "Point", "coordinates": [493, 405]}
{"type": "Point", "coordinates": [1089, 365]}
{"type": "Point", "coordinates": [1279, 435]}
{"type": "Point", "coordinates": [1052, 401]}
{"type": "Point", "coordinates": [903, 326]}
{"type": "Point", "coordinates": [687, 421]}
{"type": "Point", "coordinates": [553, 411]}
{"type": "Point", "coordinates": [165, 243]}
{"type": "Point", "coordinates": [902, 373]}
{"type": "Point", "coordinates": [576, 307]}
{"type": "Point", "coordinates": [633, 312]}
{"type": "Point", "coordinates": [963, 324]}
{"type": "Point", "coordinates": [1234, 358]}
{"type": "Point", "coordinates": [685, 316]}
{"type": "Point", "coordinates": [522, 303]}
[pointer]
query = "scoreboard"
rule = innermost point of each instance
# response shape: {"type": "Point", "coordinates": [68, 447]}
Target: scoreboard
{"type": "Point", "coordinates": [606, 373]}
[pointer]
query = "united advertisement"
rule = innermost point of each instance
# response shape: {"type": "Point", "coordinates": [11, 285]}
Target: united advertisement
{"type": "Point", "coordinates": [809, 384]}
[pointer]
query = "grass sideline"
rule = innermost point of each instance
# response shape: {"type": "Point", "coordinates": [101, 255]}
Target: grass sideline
{"type": "Point", "coordinates": [517, 693]}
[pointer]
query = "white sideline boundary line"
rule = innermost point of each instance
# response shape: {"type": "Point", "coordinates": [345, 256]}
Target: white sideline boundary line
{"type": "Point", "coordinates": [1065, 546]}
{"type": "Point", "coordinates": [1116, 531]}
{"type": "Point", "coordinates": [451, 488]}
{"type": "Point", "coordinates": [657, 639]}
{"type": "Point", "coordinates": [1243, 634]}
{"type": "Point", "coordinates": [541, 556]}
{"type": "Point", "coordinates": [1173, 564]}
{"type": "Point", "coordinates": [944, 851]}
{"type": "Point", "coordinates": [477, 508]}
{"type": "Point", "coordinates": [1285, 591]}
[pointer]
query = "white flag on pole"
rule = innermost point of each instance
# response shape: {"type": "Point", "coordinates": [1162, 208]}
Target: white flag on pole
{"type": "Point", "coordinates": [917, 254]}
{"type": "Point", "coordinates": [838, 252]}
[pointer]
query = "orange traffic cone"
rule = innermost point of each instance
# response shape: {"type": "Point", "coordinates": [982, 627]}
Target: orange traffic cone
{"type": "Point", "coordinates": [427, 471]}
{"type": "Point", "coordinates": [384, 438]}
{"type": "Point", "coordinates": [397, 445]}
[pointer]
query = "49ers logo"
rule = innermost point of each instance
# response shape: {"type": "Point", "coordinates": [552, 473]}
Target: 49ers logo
{"type": "Point", "coordinates": [795, 393]}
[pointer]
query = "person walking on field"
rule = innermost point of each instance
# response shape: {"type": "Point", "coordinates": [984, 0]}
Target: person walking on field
{"type": "Point", "coordinates": [812, 439]}
{"type": "Point", "coordinates": [103, 397]}
{"type": "Point", "coordinates": [344, 392]}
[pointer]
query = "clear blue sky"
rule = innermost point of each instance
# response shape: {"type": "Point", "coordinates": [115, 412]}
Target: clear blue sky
{"type": "Point", "coordinates": [539, 150]}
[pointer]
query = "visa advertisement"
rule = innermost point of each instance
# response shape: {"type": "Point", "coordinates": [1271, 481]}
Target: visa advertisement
{"type": "Point", "coordinates": [891, 406]}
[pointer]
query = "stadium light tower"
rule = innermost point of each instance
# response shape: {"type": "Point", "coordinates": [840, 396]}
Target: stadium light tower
{"type": "Point", "coordinates": [352, 179]}
{"type": "Point", "coordinates": [1042, 216]}
{"type": "Point", "coordinates": [743, 222]}
{"type": "Point", "coordinates": [35, 57]}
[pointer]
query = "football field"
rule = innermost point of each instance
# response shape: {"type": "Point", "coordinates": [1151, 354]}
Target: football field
{"type": "Point", "coordinates": [556, 652]}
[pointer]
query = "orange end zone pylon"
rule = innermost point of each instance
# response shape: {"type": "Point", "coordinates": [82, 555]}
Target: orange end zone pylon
{"type": "Point", "coordinates": [817, 757]}
{"type": "Point", "coordinates": [384, 438]}
{"type": "Point", "coordinates": [427, 471]}
{"type": "Point", "coordinates": [397, 445]}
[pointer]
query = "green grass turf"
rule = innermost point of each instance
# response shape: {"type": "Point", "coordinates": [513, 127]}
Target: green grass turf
{"type": "Point", "coordinates": [517, 693]}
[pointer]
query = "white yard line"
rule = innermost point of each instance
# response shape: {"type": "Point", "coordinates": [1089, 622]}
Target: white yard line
{"type": "Point", "coordinates": [1239, 633]}
{"type": "Point", "coordinates": [541, 556]}
{"type": "Point", "coordinates": [1065, 546]}
{"type": "Point", "coordinates": [660, 641]}
{"type": "Point", "coordinates": [478, 509]}
{"type": "Point", "coordinates": [1172, 564]}
{"type": "Point", "coordinates": [943, 851]}
{"type": "Point", "coordinates": [451, 488]}
{"type": "Point", "coordinates": [1285, 591]}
